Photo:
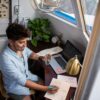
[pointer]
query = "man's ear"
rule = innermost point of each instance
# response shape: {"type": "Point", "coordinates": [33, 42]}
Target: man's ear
{"type": "Point", "coordinates": [10, 42]}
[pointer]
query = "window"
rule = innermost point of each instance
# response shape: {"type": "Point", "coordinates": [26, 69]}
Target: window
{"type": "Point", "coordinates": [66, 12]}
{"type": "Point", "coordinates": [89, 10]}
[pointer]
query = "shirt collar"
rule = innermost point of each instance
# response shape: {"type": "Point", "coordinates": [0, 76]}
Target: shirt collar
{"type": "Point", "coordinates": [13, 52]}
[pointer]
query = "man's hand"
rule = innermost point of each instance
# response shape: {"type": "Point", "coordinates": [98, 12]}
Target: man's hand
{"type": "Point", "coordinates": [45, 58]}
{"type": "Point", "coordinates": [52, 89]}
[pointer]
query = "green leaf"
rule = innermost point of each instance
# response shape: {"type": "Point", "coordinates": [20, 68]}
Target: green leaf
{"type": "Point", "coordinates": [46, 37]}
{"type": "Point", "coordinates": [40, 30]}
{"type": "Point", "coordinates": [34, 42]}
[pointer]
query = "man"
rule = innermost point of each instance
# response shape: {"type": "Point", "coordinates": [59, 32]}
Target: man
{"type": "Point", "coordinates": [14, 66]}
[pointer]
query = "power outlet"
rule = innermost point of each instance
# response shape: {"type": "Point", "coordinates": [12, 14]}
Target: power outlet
{"type": "Point", "coordinates": [16, 9]}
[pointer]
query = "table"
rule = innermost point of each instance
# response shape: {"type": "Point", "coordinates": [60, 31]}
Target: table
{"type": "Point", "coordinates": [40, 68]}
{"type": "Point", "coordinates": [46, 72]}
{"type": "Point", "coordinates": [49, 74]}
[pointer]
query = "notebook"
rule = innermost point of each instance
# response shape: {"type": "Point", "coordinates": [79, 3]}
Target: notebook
{"type": "Point", "coordinates": [62, 92]}
{"type": "Point", "coordinates": [58, 62]}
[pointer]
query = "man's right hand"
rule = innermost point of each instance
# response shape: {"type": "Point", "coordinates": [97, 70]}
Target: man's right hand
{"type": "Point", "coordinates": [52, 89]}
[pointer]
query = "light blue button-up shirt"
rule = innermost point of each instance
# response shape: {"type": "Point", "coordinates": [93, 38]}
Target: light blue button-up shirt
{"type": "Point", "coordinates": [15, 71]}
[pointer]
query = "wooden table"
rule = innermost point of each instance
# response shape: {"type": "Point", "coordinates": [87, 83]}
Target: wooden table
{"type": "Point", "coordinates": [47, 72]}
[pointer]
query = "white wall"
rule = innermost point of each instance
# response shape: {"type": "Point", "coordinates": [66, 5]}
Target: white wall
{"type": "Point", "coordinates": [3, 26]}
{"type": "Point", "coordinates": [3, 41]}
{"type": "Point", "coordinates": [25, 9]}
{"type": "Point", "coordinates": [69, 31]}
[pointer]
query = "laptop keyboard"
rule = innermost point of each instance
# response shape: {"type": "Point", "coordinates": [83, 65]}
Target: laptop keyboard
{"type": "Point", "coordinates": [61, 62]}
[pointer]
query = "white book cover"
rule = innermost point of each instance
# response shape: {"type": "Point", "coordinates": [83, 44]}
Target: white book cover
{"type": "Point", "coordinates": [62, 92]}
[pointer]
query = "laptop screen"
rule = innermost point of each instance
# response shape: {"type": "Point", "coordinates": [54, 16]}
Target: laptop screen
{"type": "Point", "coordinates": [60, 61]}
{"type": "Point", "coordinates": [70, 51]}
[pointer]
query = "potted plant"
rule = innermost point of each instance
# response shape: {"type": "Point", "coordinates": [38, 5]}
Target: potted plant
{"type": "Point", "coordinates": [40, 30]}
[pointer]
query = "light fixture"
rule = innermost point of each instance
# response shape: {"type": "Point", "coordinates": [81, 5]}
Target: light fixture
{"type": "Point", "coordinates": [47, 5]}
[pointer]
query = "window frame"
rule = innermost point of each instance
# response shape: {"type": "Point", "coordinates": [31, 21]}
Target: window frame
{"type": "Point", "coordinates": [85, 83]}
{"type": "Point", "coordinates": [90, 28]}
{"type": "Point", "coordinates": [79, 17]}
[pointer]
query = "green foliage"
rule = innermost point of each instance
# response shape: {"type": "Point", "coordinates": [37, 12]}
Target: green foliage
{"type": "Point", "coordinates": [40, 30]}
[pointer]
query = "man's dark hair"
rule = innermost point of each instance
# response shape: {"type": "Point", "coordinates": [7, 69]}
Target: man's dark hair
{"type": "Point", "coordinates": [16, 31]}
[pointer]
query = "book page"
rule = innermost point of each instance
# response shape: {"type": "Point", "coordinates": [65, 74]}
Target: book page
{"type": "Point", "coordinates": [62, 91]}
{"type": "Point", "coordinates": [71, 80]}
{"type": "Point", "coordinates": [51, 51]}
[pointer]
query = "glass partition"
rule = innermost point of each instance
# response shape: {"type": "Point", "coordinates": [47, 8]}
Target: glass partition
{"type": "Point", "coordinates": [89, 10]}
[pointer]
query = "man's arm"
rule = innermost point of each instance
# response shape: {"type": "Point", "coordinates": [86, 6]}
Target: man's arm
{"type": "Point", "coordinates": [34, 56]}
{"type": "Point", "coordinates": [35, 86]}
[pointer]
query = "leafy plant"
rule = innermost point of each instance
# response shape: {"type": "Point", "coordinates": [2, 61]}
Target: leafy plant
{"type": "Point", "coordinates": [40, 30]}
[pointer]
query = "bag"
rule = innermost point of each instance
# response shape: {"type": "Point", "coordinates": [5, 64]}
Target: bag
{"type": "Point", "coordinates": [73, 66]}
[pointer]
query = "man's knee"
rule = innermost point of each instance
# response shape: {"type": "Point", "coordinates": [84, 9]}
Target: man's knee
{"type": "Point", "coordinates": [27, 98]}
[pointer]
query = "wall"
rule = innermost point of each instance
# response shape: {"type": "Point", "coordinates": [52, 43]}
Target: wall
{"type": "Point", "coordinates": [25, 11]}
{"type": "Point", "coordinates": [69, 31]}
{"type": "Point", "coordinates": [3, 41]}
{"type": "Point", "coordinates": [3, 26]}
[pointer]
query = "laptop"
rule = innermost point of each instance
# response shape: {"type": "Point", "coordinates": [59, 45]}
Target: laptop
{"type": "Point", "coordinates": [58, 62]}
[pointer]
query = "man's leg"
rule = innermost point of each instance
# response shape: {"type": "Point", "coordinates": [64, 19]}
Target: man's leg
{"type": "Point", "coordinates": [27, 98]}
{"type": "Point", "coordinates": [39, 95]}
{"type": "Point", "coordinates": [19, 97]}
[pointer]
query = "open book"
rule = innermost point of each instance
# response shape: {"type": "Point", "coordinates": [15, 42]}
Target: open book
{"type": "Point", "coordinates": [62, 91]}
{"type": "Point", "coordinates": [51, 51]}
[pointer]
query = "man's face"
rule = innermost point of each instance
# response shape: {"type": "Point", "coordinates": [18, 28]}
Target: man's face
{"type": "Point", "coordinates": [19, 45]}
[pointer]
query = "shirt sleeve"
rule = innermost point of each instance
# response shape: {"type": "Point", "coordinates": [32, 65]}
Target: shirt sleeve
{"type": "Point", "coordinates": [28, 51]}
{"type": "Point", "coordinates": [33, 77]}
{"type": "Point", "coordinates": [10, 70]}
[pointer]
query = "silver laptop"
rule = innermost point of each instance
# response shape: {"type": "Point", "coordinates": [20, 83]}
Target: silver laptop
{"type": "Point", "coordinates": [58, 63]}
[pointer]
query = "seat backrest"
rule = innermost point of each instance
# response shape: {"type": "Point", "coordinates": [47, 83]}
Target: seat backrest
{"type": "Point", "coordinates": [2, 89]}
